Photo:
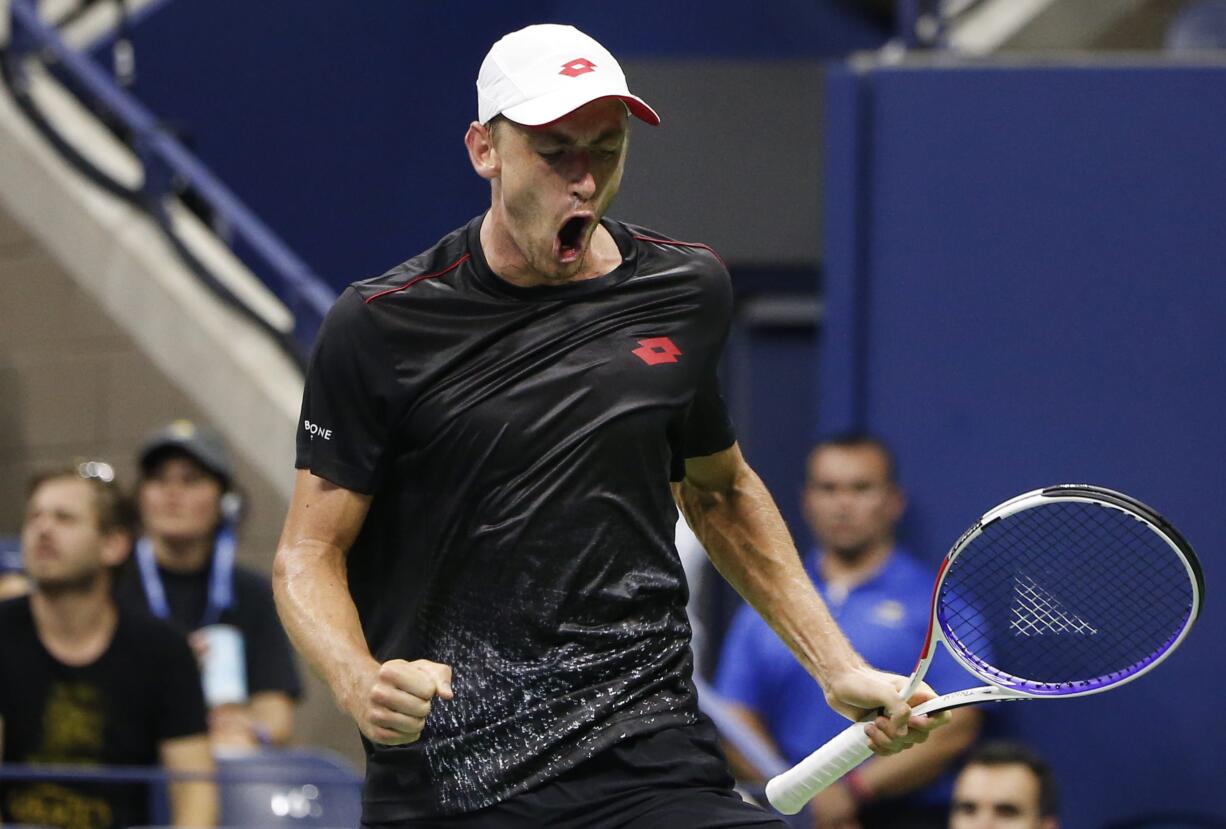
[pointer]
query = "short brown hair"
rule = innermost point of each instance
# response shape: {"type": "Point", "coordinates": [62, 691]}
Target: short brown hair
{"type": "Point", "coordinates": [861, 440]}
{"type": "Point", "coordinates": [495, 124]}
{"type": "Point", "coordinates": [1006, 753]}
{"type": "Point", "coordinates": [112, 507]}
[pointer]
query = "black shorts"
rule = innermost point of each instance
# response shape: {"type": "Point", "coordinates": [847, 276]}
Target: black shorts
{"type": "Point", "coordinates": [673, 779]}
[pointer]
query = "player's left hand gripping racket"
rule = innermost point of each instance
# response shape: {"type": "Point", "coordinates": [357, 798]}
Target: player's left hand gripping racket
{"type": "Point", "coordinates": [1060, 592]}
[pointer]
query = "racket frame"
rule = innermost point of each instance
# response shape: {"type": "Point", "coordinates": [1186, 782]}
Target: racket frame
{"type": "Point", "coordinates": [788, 792]}
{"type": "Point", "coordinates": [1084, 493]}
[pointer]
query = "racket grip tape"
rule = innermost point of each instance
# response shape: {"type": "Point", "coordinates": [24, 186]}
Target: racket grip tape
{"type": "Point", "coordinates": [790, 791]}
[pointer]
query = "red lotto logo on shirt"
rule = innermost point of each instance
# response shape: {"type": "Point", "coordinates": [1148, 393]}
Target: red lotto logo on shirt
{"type": "Point", "coordinates": [656, 350]}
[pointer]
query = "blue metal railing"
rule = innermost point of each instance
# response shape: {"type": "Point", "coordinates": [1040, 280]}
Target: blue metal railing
{"type": "Point", "coordinates": [306, 788]}
{"type": "Point", "coordinates": [760, 754]}
{"type": "Point", "coordinates": [254, 784]}
{"type": "Point", "coordinates": [10, 554]}
{"type": "Point", "coordinates": [63, 773]}
{"type": "Point", "coordinates": [165, 160]}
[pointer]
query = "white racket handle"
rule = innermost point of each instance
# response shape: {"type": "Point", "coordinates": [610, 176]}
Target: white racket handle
{"type": "Point", "coordinates": [790, 791]}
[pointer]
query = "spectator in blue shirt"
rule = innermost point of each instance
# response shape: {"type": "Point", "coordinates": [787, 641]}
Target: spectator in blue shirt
{"type": "Point", "coordinates": [880, 597]}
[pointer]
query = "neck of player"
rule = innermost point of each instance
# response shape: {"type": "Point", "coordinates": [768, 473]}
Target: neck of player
{"type": "Point", "coordinates": [75, 625]}
{"type": "Point", "coordinates": [506, 257]}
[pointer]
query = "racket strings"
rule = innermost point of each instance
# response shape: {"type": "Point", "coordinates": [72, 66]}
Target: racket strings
{"type": "Point", "coordinates": [1063, 596]}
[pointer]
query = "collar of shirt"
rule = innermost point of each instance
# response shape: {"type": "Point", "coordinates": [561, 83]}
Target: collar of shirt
{"type": "Point", "coordinates": [836, 597]}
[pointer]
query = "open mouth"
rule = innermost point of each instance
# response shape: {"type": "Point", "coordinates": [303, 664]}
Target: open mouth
{"type": "Point", "coordinates": [572, 238]}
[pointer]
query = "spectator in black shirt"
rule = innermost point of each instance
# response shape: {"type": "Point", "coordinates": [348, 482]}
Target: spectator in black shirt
{"type": "Point", "coordinates": [478, 556]}
{"type": "Point", "coordinates": [84, 682]}
{"type": "Point", "coordinates": [183, 570]}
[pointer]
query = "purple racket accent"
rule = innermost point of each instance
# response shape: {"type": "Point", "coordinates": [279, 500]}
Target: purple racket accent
{"type": "Point", "coordinates": [1067, 597]}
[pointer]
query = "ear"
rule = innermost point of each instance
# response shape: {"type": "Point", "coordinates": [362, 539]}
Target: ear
{"type": "Point", "coordinates": [116, 545]}
{"type": "Point", "coordinates": [804, 500]}
{"type": "Point", "coordinates": [898, 502]}
{"type": "Point", "coordinates": [481, 151]}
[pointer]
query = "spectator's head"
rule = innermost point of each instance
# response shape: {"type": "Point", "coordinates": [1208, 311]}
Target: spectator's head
{"type": "Point", "coordinates": [852, 500]}
{"type": "Point", "coordinates": [77, 526]}
{"type": "Point", "coordinates": [1004, 786]}
{"type": "Point", "coordinates": [185, 475]}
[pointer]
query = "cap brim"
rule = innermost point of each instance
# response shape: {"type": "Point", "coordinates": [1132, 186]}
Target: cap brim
{"type": "Point", "coordinates": [548, 109]}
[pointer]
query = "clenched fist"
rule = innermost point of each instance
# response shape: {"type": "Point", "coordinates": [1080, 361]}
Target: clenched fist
{"type": "Point", "coordinates": [392, 702]}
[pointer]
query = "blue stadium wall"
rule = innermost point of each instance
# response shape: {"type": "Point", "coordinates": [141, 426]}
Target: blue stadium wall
{"type": "Point", "coordinates": [1026, 284]}
{"type": "Point", "coordinates": [341, 124]}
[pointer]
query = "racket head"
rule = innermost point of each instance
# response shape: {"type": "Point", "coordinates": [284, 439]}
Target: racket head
{"type": "Point", "coordinates": [1065, 591]}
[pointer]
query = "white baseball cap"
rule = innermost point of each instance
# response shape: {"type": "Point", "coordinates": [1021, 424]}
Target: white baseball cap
{"type": "Point", "coordinates": [541, 73]}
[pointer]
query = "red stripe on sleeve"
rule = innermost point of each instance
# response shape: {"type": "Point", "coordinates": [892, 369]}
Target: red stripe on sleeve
{"type": "Point", "coordinates": [420, 277]}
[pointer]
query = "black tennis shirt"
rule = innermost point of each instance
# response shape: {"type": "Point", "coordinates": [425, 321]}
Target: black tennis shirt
{"type": "Point", "coordinates": [518, 444]}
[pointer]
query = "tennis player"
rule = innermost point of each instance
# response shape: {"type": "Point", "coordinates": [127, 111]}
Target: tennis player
{"type": "Point", "coordinates": [478, 556]}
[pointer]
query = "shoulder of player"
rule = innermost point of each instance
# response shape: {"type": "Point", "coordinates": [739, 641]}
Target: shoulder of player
{"type": "Point", "coordinates": [437, 262]}
{"type": "Point", "coordinates": [655, 245]}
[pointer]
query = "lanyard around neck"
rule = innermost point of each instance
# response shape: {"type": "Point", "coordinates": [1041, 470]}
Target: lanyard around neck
{"type": "Point", "coordinates": [221, 577]}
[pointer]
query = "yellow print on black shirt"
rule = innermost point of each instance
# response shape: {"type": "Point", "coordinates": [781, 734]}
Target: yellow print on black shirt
{"type": "Point", "coordinates": [74, 724]}
{"type": "Point", "coordinates": [49, 804]}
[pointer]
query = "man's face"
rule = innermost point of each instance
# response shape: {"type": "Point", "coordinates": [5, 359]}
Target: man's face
{"type": "Point", "coordinates": [62, 545]}
{"type": "Point", "coordinates": [555, 182]}
{"type": "Point", "coordinates": [849, 501]}
{"type": "Point", "coordinates": [997, 797]}
{"type": "Point", "coordinates": [180, 501]}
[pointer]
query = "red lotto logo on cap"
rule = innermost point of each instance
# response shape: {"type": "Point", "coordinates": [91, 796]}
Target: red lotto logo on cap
{"type": "Point", "coordinates": [577, 67]}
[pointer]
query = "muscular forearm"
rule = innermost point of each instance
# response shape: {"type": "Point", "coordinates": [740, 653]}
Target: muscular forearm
{"type": "Point", "coordinates": [745, 536]}
{"type": "Point", "coordinates": [312, 596]}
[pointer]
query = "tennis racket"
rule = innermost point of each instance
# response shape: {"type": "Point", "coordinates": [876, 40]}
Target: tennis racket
{"type": "Point", "coordinates": [1060, 592]}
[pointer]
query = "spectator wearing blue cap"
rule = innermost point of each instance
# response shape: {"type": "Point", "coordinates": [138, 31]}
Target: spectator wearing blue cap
{"type": "Point", "coordinates": [184, 571]}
